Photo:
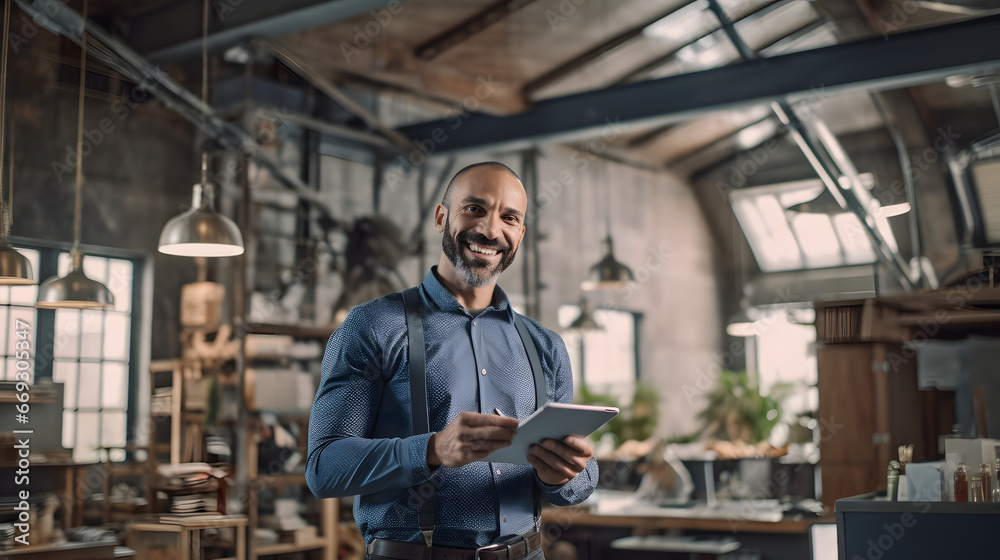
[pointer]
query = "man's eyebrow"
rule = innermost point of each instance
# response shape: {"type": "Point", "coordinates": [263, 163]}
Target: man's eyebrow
{"type": "Point", "coordinates": [515, 211]}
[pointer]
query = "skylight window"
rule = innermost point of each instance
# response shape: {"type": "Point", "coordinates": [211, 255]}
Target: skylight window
{"type": "Point", "coordinates": [782, 239]}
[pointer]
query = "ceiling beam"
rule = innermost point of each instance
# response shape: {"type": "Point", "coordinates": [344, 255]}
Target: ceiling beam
{"type": "Point", "coordinates": [469, 28]}
{"type": "Point", "coordinates": [172, 33]}
{"type": "Point", "coordinates": [908, 59]}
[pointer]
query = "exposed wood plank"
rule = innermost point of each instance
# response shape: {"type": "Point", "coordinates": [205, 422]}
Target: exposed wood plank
{"type": "Point", "coordinates": [469, 27]}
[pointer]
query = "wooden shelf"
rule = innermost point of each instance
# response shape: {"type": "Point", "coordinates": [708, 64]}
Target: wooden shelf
{"type": "Point", "coordinates": [320, 332]}
{"type": "Point", "coordinates": [281, 478]}
{"type": "Point", "coordinates": [285, 548]}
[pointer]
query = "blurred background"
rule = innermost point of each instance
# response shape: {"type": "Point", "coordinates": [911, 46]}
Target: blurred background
{"type": "Point", "coordinates": [766, 229]}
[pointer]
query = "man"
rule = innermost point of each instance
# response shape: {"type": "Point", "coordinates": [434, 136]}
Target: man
{"type": "Point", "coordinates": [479, 383]}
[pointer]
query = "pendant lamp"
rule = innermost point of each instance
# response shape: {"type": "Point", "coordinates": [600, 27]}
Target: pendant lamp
{"type": "Point", "coordinates": [201, 231]}
{"type": "Point", "coordinates": [14, 267]}
{"type": "Point", "coordinates": [76, 290]}
{"type": "Point", "coordinates": [608, 273]}
{"type": "Point", "coordinates": [585, 322]}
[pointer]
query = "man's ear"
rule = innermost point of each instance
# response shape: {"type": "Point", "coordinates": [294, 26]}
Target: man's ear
{"type": "Point", "coordinates": [440, 217]}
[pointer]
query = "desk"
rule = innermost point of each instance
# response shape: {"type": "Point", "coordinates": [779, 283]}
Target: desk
{"type": "Point", "coordinates": [592, 533]}
{"type": "Point", "coordinates": [188, 532]}
{"type": "Point", "coordinates": [581, 515]}
{"type": "Point", "coordinates": [65, 551]}
{"type": "Point", "coordinates": [66, 479]}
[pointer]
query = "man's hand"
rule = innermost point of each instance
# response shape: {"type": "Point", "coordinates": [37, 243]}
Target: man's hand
{"type": "Point", "coordinates": [470, 437]}
{"type": "Point", "coordinates": [557, 462]}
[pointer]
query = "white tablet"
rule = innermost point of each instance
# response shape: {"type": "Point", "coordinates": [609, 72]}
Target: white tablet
{"type": "Point", "coordinates": [552, 421]}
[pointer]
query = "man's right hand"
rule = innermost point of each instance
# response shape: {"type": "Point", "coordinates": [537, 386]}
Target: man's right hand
{"type": "Point", "coordinates": [470, 437]}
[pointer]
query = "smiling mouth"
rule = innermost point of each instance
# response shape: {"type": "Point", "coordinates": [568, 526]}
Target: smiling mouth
{"type": "Point", "coordinates": [482, 250]}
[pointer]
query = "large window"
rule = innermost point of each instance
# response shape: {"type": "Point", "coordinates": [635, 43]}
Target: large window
{"type": "Point", "coordinates": [88, 350]}
{"type": "Point", "coordinates": [782, 239]}
{"type": "Point", "coordinates": [605, 360]}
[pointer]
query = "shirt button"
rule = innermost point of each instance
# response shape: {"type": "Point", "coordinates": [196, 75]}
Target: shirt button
{"type": "Point", "coordinates": [473, 323]}
{"type": "Point", "coordinates": [498, 471]}
{"type": "Point", "coordinates": [505, 519]}
{"type": "Point", "coordinates": [484, 372]}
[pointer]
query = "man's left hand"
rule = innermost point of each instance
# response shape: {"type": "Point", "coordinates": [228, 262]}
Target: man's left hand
{"type": "Point", "coordinates": [557, 462]}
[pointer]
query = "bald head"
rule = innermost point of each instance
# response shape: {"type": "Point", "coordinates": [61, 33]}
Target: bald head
{"type": "Point", "coordinates": [485, 165]}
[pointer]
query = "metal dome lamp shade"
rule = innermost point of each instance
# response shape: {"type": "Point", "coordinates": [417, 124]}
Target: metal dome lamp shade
{"type": "Point", "coordinates": [608, 273]}
{"type": "Point", "coordinates": [14, 267]}
{"type": "Point", "coordinates": [76, 290]}
{"type": "Point", "coordinates": [201, 231]}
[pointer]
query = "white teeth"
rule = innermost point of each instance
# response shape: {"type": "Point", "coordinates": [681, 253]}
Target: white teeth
{"type": "Point", "coordinates": [478, 249]}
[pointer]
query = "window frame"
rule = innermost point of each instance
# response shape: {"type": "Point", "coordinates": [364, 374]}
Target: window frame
{"type": "Point", "coordinates": [138, 347]}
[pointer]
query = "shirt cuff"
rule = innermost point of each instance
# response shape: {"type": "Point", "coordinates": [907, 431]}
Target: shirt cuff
{"type": "Point", "coordinates": [548, 488]}
{"type": "Point", "coordinates": [418, 458]}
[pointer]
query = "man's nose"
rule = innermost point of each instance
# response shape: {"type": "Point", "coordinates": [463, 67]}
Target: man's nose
{"type": "Point", "coordinates": [491, 226]}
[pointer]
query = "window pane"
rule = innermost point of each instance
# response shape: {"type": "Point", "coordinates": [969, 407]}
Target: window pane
{"type": "Point", "coordinates": [64, 263]}
{"type": "Point", "coordinates": [87, 434]}
{"type": "Point", "coordinates": [90, 386]}
{"type": "Point", "coordinates": [857, 247]}
{"type": "Point", "coordinates": [27, 315]}
{"type": "Point", "coordinates": [12, 370]}
{"type": "Point", "coordinates": [116, 337]}
{"type": "Point", "coordinates": [120, 283]}
{"type": "Point", "coordinates": [91, 324]}
{"type": "Point", "coordinates": [114, 386]}
{"type": "Point", "coordinates": [24, 295]}
{"type": "Point", "coordinates": [3, 328]}
{"type": "Point", "coordinates": [819, 241]}
{"type": "Point", "coordinates": [113, 428]}
{"type": "Point", "coordinates": [64, 371]}
{"type": "Point", "coordinates": [96, 268]}
{"type": "Point", "coordinates": [610, 355]}
{"type": "Point", "coordinates": [67, 344]}
{"type": "Point", "coordinates": [69, 429]}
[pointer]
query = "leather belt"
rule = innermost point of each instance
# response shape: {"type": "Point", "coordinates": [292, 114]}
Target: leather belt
{"type": "Point", "coordinates": [514, 549]}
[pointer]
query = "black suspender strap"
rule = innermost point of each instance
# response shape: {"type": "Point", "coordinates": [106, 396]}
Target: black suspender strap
{"type": "Point", "coordinates": [541, 396]}
{"type": "Point", "coordinates": [418, 361]}
{"type": "Point", "coordinates": [536, 364]}
{"type": "Point", "coordinates": [426, 518]}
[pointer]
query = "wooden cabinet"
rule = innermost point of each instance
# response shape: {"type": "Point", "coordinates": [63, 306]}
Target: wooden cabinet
{"type": "Point", "coordinates": [869, 405]}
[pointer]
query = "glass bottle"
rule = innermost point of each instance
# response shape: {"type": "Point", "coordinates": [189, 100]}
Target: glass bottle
{"type": "Point", "coordinates": [996, 480]}
{"type": "Point", "coordinates": [961, 484]}
{"type": "Point", "coordinates": [986, 475]}
{"type": "Point", "coordinates": [976, 489]}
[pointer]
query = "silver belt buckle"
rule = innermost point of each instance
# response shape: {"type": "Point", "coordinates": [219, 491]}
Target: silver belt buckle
{"type": "Point", "coordinates": [487, 547]}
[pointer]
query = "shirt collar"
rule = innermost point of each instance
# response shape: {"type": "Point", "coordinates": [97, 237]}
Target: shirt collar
{"type": "Point", "coordinates": [446, 301]}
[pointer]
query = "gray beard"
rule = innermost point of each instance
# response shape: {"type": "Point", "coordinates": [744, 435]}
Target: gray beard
{"type": "Point", "coordinates": [471, 277]}
{"type": "Point", "coordinates": [468, 270]}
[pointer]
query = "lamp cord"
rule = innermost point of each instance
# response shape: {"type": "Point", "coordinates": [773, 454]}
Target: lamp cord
{"type": "Point", "coordinates": [208, 192]}
{"type": "Point", "coordinates": [78, 206]}
{"type": "Point", "coordinates": [4, 211]}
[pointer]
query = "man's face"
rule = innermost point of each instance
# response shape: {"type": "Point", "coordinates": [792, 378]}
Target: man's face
{"type": "Point", "coordinates": [484, 225]}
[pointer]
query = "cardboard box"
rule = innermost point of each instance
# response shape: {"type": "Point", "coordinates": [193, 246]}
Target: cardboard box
{"type": "Point", "coordinates": [201, 305]}
{"type": "Point", "coordinates": [284, 390]}
{"type": "Point", "coordinates": [926, 481]}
